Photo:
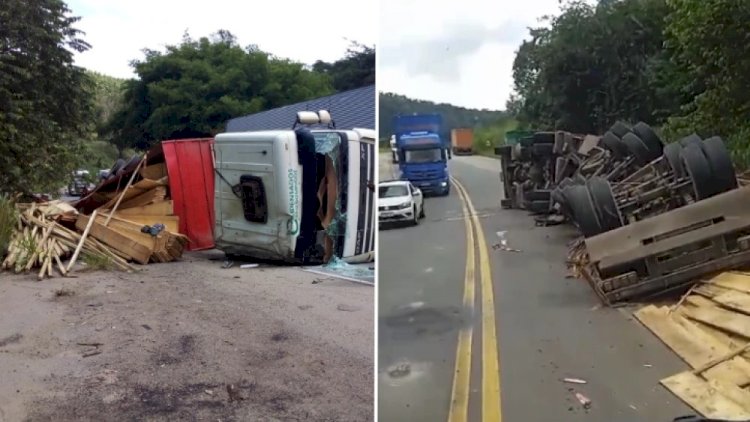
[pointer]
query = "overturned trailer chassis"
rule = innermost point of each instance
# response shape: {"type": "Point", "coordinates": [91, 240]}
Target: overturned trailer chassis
{"type": "Point", "coordinates": [671, 251]}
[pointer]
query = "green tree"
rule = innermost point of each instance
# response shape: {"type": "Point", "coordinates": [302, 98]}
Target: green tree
{"type": "Point", "coordinates": [44, 105]}
{"type": "Point", "coordinates": [355, 70]}
{"type": "Point", "coordinates": [592, 65]}
{"type": "Point", "coordinates": [709, 49]}
{"type": "Point", "coordinates": [192, 89]}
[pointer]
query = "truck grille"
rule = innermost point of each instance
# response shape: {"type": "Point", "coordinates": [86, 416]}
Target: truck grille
{"type": "Point", "coordinates": [425, 175]}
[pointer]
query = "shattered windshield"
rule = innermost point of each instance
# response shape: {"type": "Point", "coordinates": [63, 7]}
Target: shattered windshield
{"type": "Point", "coordinates": [392, 191]}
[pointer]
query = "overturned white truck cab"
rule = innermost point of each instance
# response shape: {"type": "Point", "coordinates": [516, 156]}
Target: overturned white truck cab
{"type": "Point", "coordinates": [302, 196]}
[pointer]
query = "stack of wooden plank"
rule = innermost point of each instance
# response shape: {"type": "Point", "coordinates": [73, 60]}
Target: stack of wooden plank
{"type": "Point", "coordinates": [42, 241]}
{"type": "Point", "coordinates": [137, 205]}
{"type": "Point", "coordinates": [710, 330]}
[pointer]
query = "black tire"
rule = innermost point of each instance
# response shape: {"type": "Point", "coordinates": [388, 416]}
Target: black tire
{"type": "Point", "coordinates": [538, 207]}
{"type": "Point", "coordinates": [620, 129]}
{"type": "Point", "coordinates": [564, 206]}
{"type": "Point", "coordinates": [722, 169]}
{"type": "Point", "coordinates": [415, 217]}
{"type": "Point", "coordinates": [604, 203]}
{"type": "Point", "coordinates": [690, 139]}
{"type": "Point", "coordinates": [578, 179]}
{"type": "Point", "coordinates": [614, 144]}
{"type": "Point", "coordinates": [565, 182]}
{"type": "Point", "coordinates": [582, 210]}
{"type": "Point", "coordinates": [672, 153]}
{"type": "Point", "coordinates": [699, 170]}
{"type": "Point", "coordinates": [649, 138]}
{"type": "Point", "coordinates": [421, 212]}
{"type": "Point", "coordinates": [544, 138]}
{"type": "Point", "coordinates": [116, 167]}
{"type": "Point", "coordinates": [637, 148]}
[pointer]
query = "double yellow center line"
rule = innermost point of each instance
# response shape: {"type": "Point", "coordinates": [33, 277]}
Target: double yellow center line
{"type": "Point", "coordinates": [459, 407]}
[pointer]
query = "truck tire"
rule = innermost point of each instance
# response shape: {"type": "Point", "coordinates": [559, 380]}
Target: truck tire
{"type": "Point", "coordinates": [637, 148]}
{"type": "Point", "coordinates": [697, 167]}
{"type": "Point", "coordinates": [649, 138]}
{"type": "Point", "coordinates": [672, 153]}
{"type": "Point", "coordinates": [582, 210]}
{"type": "Point", "coordinates": [542, 150]}
{"type": "Point", "coordinates": [604, 203]}
{"type": "Point", "coordinates": [690, 139]}
{"type": "Point", "coordinates": [614, 144]}
{"type": "Point", "coordinates": [620, 129]}
{"type": "Point", "coordinates": [722, 169]}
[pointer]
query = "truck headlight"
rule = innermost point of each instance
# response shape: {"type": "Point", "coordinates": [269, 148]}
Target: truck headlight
{"type": "Point", "coordinates": [443, 184]}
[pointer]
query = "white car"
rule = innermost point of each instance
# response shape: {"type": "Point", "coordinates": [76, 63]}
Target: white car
{"type": "Point", "coordinates": [400, 201]}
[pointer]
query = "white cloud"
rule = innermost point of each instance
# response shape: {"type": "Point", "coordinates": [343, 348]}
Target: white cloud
{"type": "Point", "coordinates": [118, 29]}
{"type": "Point", "coordinates": [456, 52]}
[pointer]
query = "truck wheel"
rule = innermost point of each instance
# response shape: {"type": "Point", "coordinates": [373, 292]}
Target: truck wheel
{"type": "Point", "coordinates": [620, 129]}
{"type": "Point", "coordinates": [672, 153]}
{"type": "Point", "coordinates": [652, 141]}
{"type": "Point", "coordinates": [697, 167]}
{"type": "Point", "coordinates": [722, 169]}
{"type": "Point", "coordinates": [604, 203]}
{"type": "Point", "coordinates": [637, 148]}
{"type": "Point", "coordinates": [690, 139]}
{"type": "Point", "coordinates": [614, 145]}
{"type": "Point", "coordinates": [582, 210]}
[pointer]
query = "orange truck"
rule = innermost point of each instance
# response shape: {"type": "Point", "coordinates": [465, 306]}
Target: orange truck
{"type": "Point", "coordinates": [462, 141]}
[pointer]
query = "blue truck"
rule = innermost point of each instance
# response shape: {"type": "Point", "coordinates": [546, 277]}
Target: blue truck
{"type": "Point", "coordinates": [422, 152]}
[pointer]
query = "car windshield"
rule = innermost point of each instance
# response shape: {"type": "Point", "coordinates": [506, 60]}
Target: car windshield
{"type": "Point", "coordinates": [392, 191]}
{"type": "Point", "coordinates": [431, 155]}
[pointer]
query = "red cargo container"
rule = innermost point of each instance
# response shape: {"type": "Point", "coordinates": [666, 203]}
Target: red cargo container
{"type": "Point", "coordinates": [190, 167]}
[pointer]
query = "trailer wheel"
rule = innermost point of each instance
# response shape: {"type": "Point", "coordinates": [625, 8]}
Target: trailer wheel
{"type": "Point", "coordinates": [649, 138]}
{"type": "Point", "coordinates": [604, 203]}
{"type": "Point", "coordinates": [637, 148]}
{"type": "Point", "coordinates": [578, 179]}
{"type": "Point", "coordinates": [582, 210]}
{"type": "Point", "coordinates": [538, 195]}
{"type": "Point", "coordinates": [620, 129]}
{"type": "Point", "coordinates": [116, 167]}
{"type": "Point", "coordinates": [697, 167]}
{"type": "Point", "coordinates": [690, 139]}
{"type": "Point", "coordinates": [672, 153]}
{"type": "Point", "coordinates": [720, 161]}
{"type": "Point", "coordinates": [562, 199]}
{"type": "Point", "coordinates": [613, 143]}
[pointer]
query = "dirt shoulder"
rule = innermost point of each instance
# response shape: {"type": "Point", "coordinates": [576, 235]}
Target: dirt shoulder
{"type": "Point", "coordinates": [186, 341]}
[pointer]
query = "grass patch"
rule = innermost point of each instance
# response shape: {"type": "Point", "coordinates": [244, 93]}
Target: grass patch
{"type": "Point", "coordinates": [8, 221]}
{"type": "Point", "coordinates": [97, 262]}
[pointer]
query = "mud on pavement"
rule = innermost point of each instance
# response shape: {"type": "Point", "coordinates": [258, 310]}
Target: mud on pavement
{"type": "Point", "coordinates": [186, 341]}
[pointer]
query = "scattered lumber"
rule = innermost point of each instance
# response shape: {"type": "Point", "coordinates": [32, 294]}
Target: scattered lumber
{"type": "Point", "coordinates": [710, 330]}
{"type": "Point", "coordinates": [42, 242]}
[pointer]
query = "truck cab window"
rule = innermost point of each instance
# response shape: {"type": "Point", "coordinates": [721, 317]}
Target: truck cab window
{"type": "Point", "coordinates": [431, 155]}
{"type": "Point", "coordinates": [254, 202]}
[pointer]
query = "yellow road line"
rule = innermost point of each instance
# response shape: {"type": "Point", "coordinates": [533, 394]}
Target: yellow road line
{"type": "Point", "coordinates": [459, 406]}
{"type": "Point", "coordinates": [491, 408]}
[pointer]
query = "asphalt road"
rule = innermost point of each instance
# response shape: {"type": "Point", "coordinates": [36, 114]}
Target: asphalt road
{"type": "Point", "coordinates": [548, 327]}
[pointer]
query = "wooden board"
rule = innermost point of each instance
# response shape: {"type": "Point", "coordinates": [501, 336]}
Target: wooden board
{"type": "Point", "coordinates": [157, 208]}
{"type": "Point", "coordinates": [154, 195]}
{"type": "Point", "coordinates": [172, 223]}
{"type": "Point", "coordinates": [705, 398]}
{"type": "Point", "coordinates": [154, 171]}
{"type": "Point", "coordinates": [116, 240]}
{"type": "Point", "coordinates": [733, 280]}
{"type": "Point", "coordinates": [695, 346]}
{"type": "Point", "coordinates": [724, 319]}
{"type": "Point", "coordinates": [735, 300]}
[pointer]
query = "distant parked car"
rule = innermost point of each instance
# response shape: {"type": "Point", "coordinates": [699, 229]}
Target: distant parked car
{"type": "Point", "coordinates": [79, 185]}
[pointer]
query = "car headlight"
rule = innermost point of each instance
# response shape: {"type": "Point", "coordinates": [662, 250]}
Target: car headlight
{"type": "Point", "coordinates": [405, 205]}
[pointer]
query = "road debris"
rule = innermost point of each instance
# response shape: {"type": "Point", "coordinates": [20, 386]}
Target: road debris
{"type": "Point", "coordinates": [585, 401]}
{"type": "Point", "coordinates": [246, 266]}
{"type": "Point", "coordinates": [574, 380]}
{"type": "Point", "coordinates": [710, 331]}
